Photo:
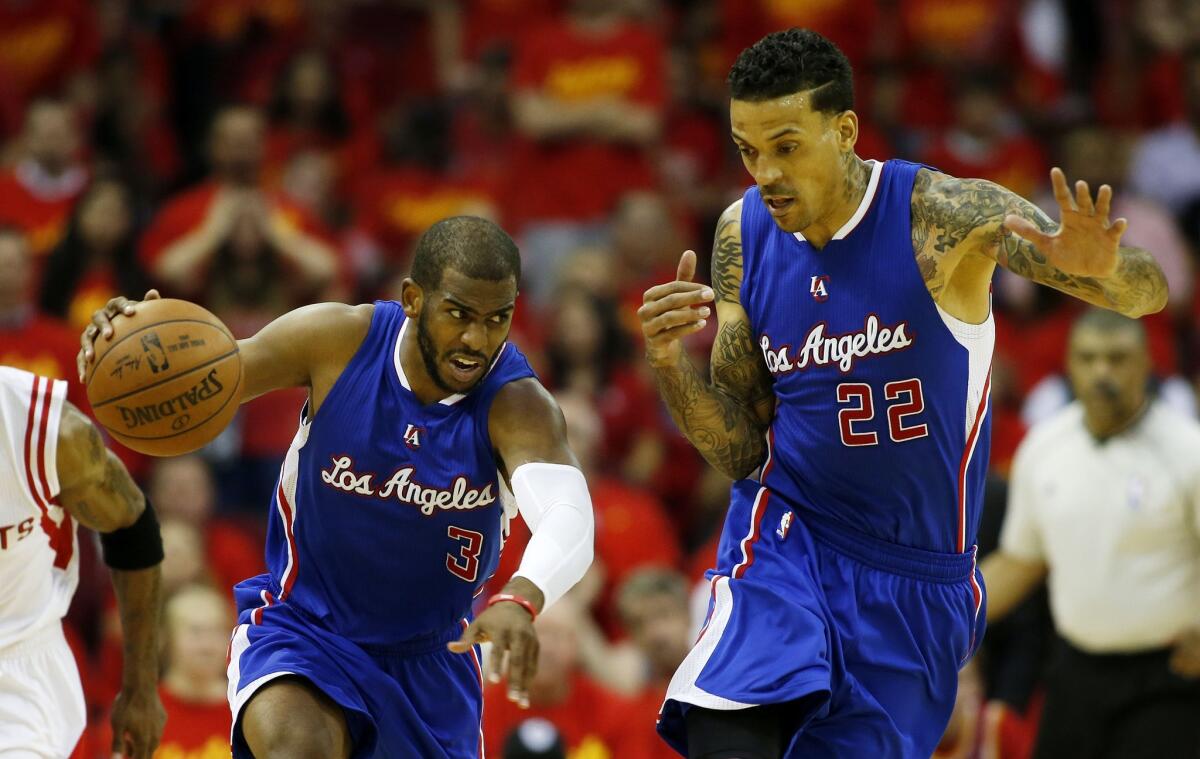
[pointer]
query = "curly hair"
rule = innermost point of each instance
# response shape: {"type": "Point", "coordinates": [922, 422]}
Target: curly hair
{"type": "Point", "coordinates": [472, 246]}
{"type": "Point", "coordinates": [790, 61]}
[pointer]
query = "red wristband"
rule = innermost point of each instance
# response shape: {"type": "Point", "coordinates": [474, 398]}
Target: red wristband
{"type": "Point", "coordinates": [515, 599]}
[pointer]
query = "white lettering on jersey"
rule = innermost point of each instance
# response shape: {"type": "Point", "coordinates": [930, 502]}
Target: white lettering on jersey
{"type": "Point", "coordinates": [819, 349]}
{"type": "Point", "coordinates": [819, 287]}
{"type": "Point", "coordinates": [412, 436]}
{"type": "Point", "coordinates": [404, 488]}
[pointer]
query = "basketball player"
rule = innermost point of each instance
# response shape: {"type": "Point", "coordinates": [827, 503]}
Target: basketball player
{"type": "Point", "coordinates": [54, 471]}
{"type": "Point", "coordinates": [851, 372]}
{"type": "Point", "coordinates": [391, 509]}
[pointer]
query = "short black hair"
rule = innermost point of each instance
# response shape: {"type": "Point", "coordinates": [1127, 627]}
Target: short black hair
{"type": "Point", "coordinates": [1105, 322]}
{"type": "Point", "coordinates": [472, 246]}
{"type": "Point", "coordinates": [790, 61]}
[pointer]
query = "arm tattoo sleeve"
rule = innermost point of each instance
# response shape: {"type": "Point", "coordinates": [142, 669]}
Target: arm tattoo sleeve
{"type": "Point", "coordinates": [948, 212]}
{"type": "Point", "coordinates": [724, 419]}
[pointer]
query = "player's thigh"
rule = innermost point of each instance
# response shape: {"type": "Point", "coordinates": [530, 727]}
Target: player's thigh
{"type": "Point", "coordinates": [290, 717]}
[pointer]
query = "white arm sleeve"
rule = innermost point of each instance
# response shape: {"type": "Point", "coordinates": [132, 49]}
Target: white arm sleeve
{"type": "Point", "coordinates": [554, 501]}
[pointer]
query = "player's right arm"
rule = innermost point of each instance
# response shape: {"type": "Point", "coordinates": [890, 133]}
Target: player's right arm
{"type": "Point", "coordinates": [306, 347]}
{"type": "Point", "coordinates": [725, 418]}
{"type": "Point", "coordinates": [96, 489]}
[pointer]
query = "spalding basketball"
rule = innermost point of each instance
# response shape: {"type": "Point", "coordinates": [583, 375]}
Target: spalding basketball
{"type": "Point", "coordinates": [168, 380]}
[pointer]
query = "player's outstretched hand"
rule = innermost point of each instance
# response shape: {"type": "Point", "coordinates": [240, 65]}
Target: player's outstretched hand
{"type": "Point", "coordinates": [101, 326]}
{"type": "Point", "coordinates": [509, 628]}
{"type": "Point", "coordinates": [1086, 243]}
{"type": "Point", "coordinates": [137, 723]}
{"type": "Point", "coordinates": [672, 311]}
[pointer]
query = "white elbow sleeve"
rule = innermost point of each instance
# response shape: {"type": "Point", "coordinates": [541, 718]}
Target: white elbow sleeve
{"type": "Point", "coordinates": [555, 503]}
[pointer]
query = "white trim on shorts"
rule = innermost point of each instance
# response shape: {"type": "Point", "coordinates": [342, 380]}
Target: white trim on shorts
{"type": "Point", "coordinates": [683, 687]}
{"type": "Point", "coordinates": [239, 696]}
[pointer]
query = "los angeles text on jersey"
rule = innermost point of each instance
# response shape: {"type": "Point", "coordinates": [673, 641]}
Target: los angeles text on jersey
{"type": "Point", "coordinates": [403, 487]}
{"type": "Point", "coordinates": [819, 349]}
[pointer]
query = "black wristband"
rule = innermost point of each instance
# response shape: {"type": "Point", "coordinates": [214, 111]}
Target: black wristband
{"type": "Point", "coordinates": [138, 546]}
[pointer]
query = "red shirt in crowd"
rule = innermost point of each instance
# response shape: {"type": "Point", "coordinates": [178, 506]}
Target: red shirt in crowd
{"type": "Point", "coordinates": [1015, 162]}
{"type": "Point", "coordinates": [42, 213]}
{"type": "Point", "coordinates": [193, 730]}
{"type": "Point", "coordinates": [42, 44]}
{"type": "Point", "coordinates": [46, 346]}
{"type": "Point", "coordinates": [594, 722]}
{"type": "Point", "coordinates": [581, 178]}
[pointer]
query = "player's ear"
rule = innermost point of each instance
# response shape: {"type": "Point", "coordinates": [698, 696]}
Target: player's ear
{"type": "Point", "coordinates": [411, 297]}
{"type": "Point", "coordinates": [847, 129]}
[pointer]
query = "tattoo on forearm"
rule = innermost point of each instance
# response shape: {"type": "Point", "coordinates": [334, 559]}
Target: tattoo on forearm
{"type": "Point", "coordinates": [948, 212]}
{"type": "Point", "coordinates": [724, 419]}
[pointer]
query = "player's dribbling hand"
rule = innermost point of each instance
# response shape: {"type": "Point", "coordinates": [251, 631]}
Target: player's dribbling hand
{"type": "Point", "coordinates": [138, 718]}
{"type": "Point", "coordinates": [509, 628]}
{"type": "Point", "coordinates": [673, 311]}
{"type": "Point", "coordinates": [1086, 243]}
{"type": "Point", "coordinates": [101, 326]}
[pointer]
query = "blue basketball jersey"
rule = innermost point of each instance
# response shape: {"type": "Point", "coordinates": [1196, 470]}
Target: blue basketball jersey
{"type": "Point", "coordinates": [389, 515]}
{"type": "Point", "coordinates": [882, 419]}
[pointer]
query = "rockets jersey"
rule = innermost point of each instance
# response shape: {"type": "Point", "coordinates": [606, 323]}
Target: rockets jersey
{"type": "Point", "coordinates": [39, 564]}
{"type": "Point", "coordinates": [881, 423]}
{"type": "Point", "coordinates": [388, 516]}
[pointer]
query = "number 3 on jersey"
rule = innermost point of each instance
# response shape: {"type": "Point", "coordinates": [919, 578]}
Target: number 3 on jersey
{"type": "Point", "coordinates": [465, 565]}
{"type": "Point", "coordinates": [853, 419]}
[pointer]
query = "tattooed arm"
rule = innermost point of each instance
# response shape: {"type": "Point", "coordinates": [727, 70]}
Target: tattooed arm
{"type": "Point", "coordinates": [98, 491]}
{"type": "Point", "coordinates": [958, 223]}
{"type": "Point", "coordinates": [725, 419]}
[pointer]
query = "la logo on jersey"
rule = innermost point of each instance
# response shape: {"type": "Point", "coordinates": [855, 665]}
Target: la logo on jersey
{"type": "Point", "coordinates": [819, 287]}
{"type": "Point", "coordinates": [412, 436]}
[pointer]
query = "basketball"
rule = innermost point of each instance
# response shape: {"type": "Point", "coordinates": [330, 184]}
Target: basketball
{"type": "Point", "coordinates": [168, 380]}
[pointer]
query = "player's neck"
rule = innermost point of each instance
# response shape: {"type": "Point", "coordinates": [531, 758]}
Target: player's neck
{"type": "Point", "coordinates": [856, 175]}
{"type": "Point", "coordinates": [419, 381]}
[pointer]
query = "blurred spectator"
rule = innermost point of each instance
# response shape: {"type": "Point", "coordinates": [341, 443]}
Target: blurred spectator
{"type": "Point", "coordinates": [306, 113]}
{"type": "Point", "coordinates": [980, 729]}
{"type": "Point", "coordinates": [37, 194]}
{"type": "Point", "coordinates": [96, 259]}
{"type": "Point", "coordinates": [45, 47]}
{"type": "Point", "coordinates": [29, 339]}
{"type": "Point", "coordinates": [182, 488]}
{"type": "Point", "coordinates": [1105, 502]}
{"type": "Point", "coordinates": [588, 98]}
{"type": "Point", "coordinates": [986, 140]}
{"type": "Point", "coordinates": [229, 227]}
{"type": "Point", "coordinates": [196, 624]}
{"type": "Point", "coordinates": [534, 739]}
{"type": "Point", "coordinates": [590, 719]}
{"type": "Point", "coordinates": [654, 608]}
{"type": "Point", "coordinates": [1166, 162]}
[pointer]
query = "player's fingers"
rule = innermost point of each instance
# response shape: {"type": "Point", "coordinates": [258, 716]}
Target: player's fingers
{"type": "Point", "coordinates": [687, 266]}
{"type": "Point", "coordinates": [658, 292]}
{"type": "Point", "coordinates": [1083, 198]}
{"type": "Point", "coordinates": [678, 333]}
{"type": "Point", "coordinates": [103, 321]}
{"type": "Point", "coordinates": [152, 294]}
{"type": "Point", "coordinates": [1062, 194]}
{"type": "Point", "coordinates": [498, 660]}
{"type": "Point", "coordinates": [1103, 202]}
{"type": "Point", "coordinates": [469, 638]}
{"type": "Point", "coordinates": [87, 339]}
{"type": "Point", "coordinates": [1118, 228]}
{"type": "Point", "coordinates": [677, 301]}
{"type": "Point", "coordinates": [522, 664]}
{"type": "Point", "coordinates": [1026, 229]}
{"type": "Point", "coordinates": [672, 319]}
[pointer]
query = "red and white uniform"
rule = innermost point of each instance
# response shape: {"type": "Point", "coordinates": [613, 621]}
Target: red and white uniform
{"type": "Point", "coordinates": [41, 701]}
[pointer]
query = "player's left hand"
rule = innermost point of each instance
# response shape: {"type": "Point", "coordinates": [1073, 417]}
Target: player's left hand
{"type": "Point", "coordinates": [1086, 242]}
{"type": "Point", "coordinates": [1185, 656]}
{"type": "Point", "coordinates": [509, 628]}
{"type": "Point", "coordinates": [137, 723]}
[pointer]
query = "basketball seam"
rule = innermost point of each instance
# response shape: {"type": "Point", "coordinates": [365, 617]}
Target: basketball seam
{"type": "Point", "coordinates": [219, 327]}
{"type": "Point", "coordinates": [153, 385]}
{"type": "Point", "coordinates": [206, 420]}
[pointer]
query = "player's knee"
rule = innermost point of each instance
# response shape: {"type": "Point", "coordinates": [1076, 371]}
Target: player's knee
{"type": "Point", "coordinates": [291, 721]}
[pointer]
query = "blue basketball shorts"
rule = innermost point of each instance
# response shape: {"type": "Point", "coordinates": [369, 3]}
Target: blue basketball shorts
{"type": "Point", "coordinates": [799, 607]}
{"type": "Point", "coordinates": [416, 699]}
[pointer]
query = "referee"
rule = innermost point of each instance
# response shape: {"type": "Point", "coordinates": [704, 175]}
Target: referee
{"type": "Point", "coordinates": [1104, 503]}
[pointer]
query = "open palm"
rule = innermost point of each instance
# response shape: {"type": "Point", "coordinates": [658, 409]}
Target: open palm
{"type": "Point", "coordinates": [1086, 242]}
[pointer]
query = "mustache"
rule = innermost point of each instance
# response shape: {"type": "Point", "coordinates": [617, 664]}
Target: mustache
{"type": "Point", "coordinates": [776, 190]}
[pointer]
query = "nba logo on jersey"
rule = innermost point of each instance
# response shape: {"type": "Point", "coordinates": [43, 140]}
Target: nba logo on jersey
{"type": "Point", "coordinates": [785, 524]}
{"type": "Point", "coordinates": [412, 436]}
{"type": "Point", "coordinates": [819, 287]}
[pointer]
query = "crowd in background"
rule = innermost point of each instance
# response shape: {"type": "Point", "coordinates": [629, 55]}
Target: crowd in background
{"type": "Point", "coordinates": [257, 155]}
